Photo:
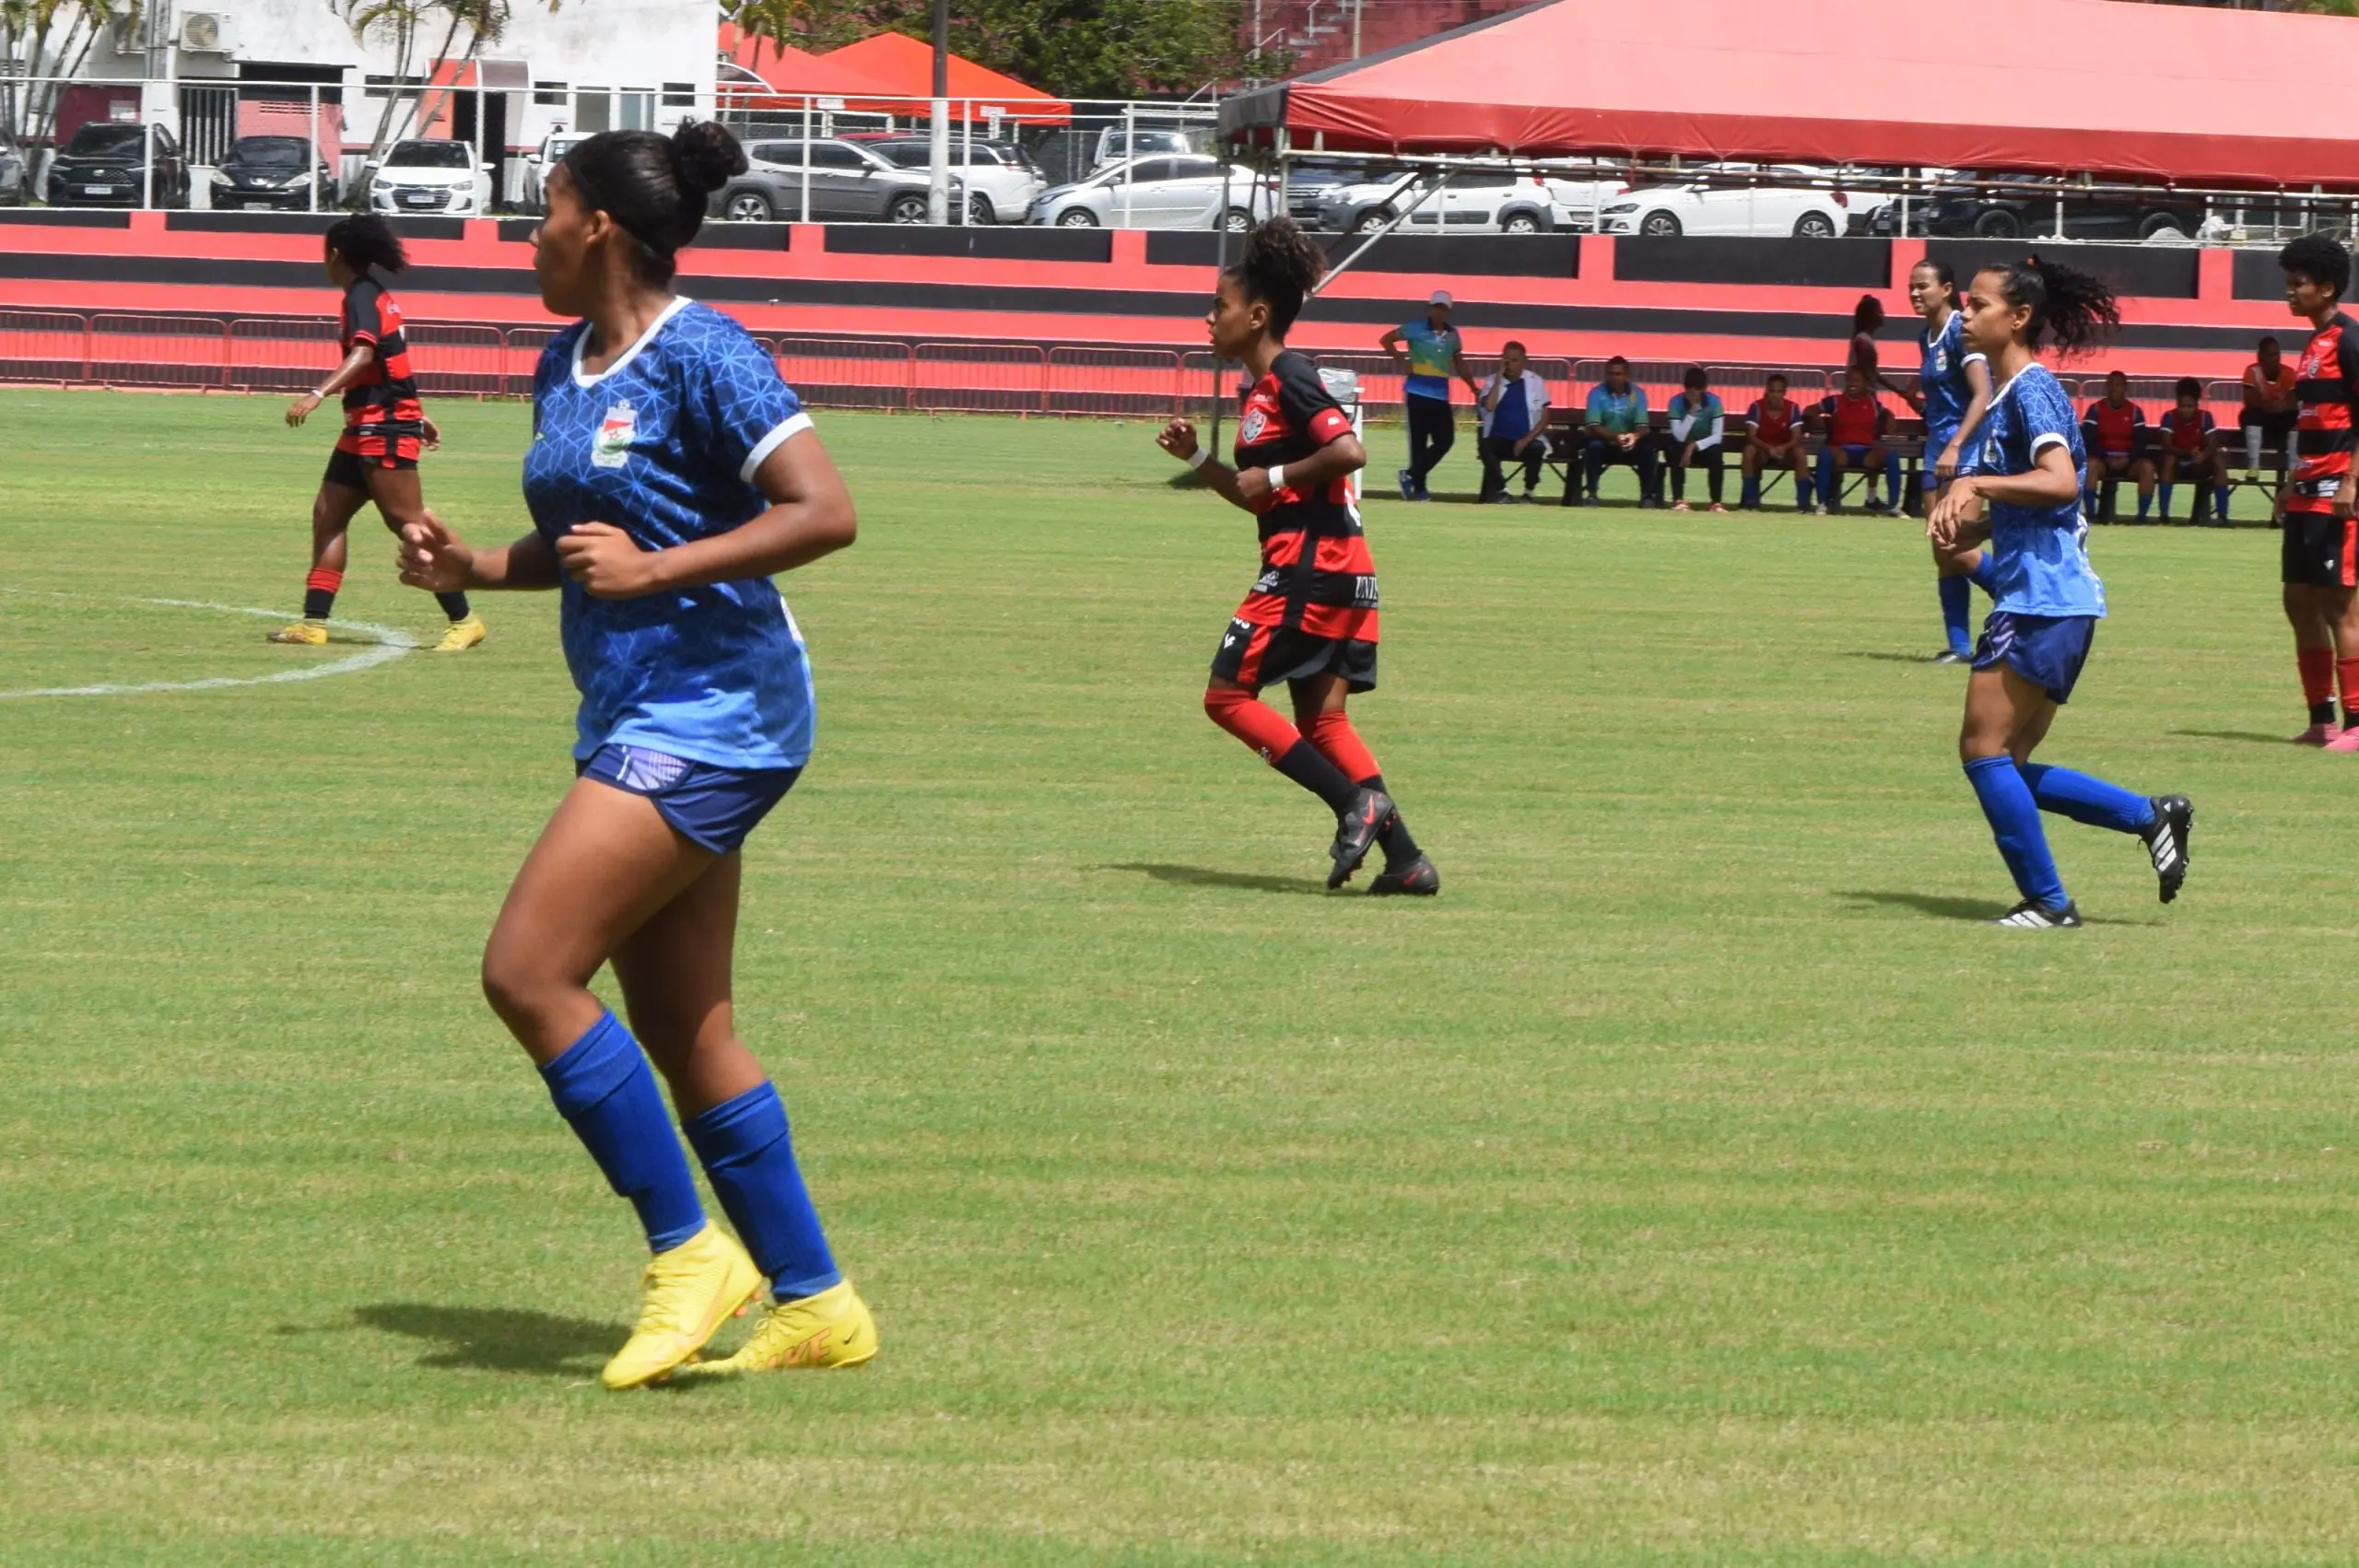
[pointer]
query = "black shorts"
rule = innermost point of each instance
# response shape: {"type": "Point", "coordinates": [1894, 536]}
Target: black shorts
{"type": "Point", "coordinates": [357, 451]}
{"type": "Point", "coordinates": [2280, 424]}
{"type": "Point", "coordinates": [1263, 656]}
{"type": "Point", "coordinates": [2317, 549]}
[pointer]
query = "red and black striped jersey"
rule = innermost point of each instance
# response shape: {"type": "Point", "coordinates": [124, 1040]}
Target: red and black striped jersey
{"type": "Point", "coordinates": [386, 392]}
{"type": "Point", "coordinates": [2328, 386]}
{"type": "Point", "coordinates": [1315, 563]}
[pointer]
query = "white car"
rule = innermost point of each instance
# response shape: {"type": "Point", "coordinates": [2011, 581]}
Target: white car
{"type": "Point", "coordinates": [1001, 180]}
{"type": "Point", "coordinates": [1661, 211]}
{"type": "Point", "coordinates": [1114, 145]}
{"type": "Point", "coordinates": [1160, 193]}
{"type": "Point", "coordinates": [430, 177]}
{"type": "Point", "coordinates": [1477, 202]}
{"type": "Point", "coordinates": [537, 164]}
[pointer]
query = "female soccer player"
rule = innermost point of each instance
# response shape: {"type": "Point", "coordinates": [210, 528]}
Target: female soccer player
{"type": "Point", "coordinates": [1310, 620]}
{"type": "Point", "coordinates": [2027, 470]}
{"type": "Point", "coordinates": [2319, 550]}
{"type": "Point", "coordinates": [385, 427]}
{"type": "Point", "coordinates": [671, 474]}
{"type": "Point", "coordinates": [1953, 392]}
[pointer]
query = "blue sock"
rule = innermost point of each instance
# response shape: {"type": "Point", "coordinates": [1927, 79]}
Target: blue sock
{"type": "Point", "coordinates": [1826, 481]}
{"type": "Point", "coordinates": [2086, 799]}
{"type": "Point", "coordinates": [2165, 492]}
{"type": "Point", "coordinates": [1957, 602]}
{"type": "Point", "coordinates": [1985, 575]}
{"type": "Point", "coordinates": [2220, 499]}
{"type": "Point", "coordinates": [2015, 824]}
{"type": "Point", "coordinates": [1801, 489]}
{"type": "Point", "coordinates": [2146, 505]}
{"type": "Point", "coordinates": [1750, 495]}
{"type": "Point", "coordinates": [749, 1158]}
{"type": "Point", "coordinates": [1892, 479]}
{"type": "Point", "coordinates": [603, 1087]}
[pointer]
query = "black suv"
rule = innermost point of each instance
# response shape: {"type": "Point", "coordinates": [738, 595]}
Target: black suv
{"type": "Point", "coordinates": [2009, 206]}
{"type": "Point", "coordinates": [267, 172]}
{"type": "Point", "coordinates": [104, 166]}
{"type": "Point", "coordinates": [849, 183]}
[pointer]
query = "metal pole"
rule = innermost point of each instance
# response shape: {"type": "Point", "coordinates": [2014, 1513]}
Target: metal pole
{"type": "Point", "coordinates": [967, 163]}
{"type": "Point", "coordinates": [806, 159]}
{"type": "Point", "coordinates": [937, 186]}
{"type": "Point", "coordinates": [1130, 156]}
{"type": "Point", "coordinates": [312, 174]}
{"type": "Point", "coordinates": [1356, 28]}
{"type": "Point", "coordinates": [1220, 269]}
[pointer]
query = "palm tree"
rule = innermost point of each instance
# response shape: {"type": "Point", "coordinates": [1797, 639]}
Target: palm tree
{"type": "Point", "coordinates": [402, 23]}
{"type": "Point", "coordinates": [53, 40]}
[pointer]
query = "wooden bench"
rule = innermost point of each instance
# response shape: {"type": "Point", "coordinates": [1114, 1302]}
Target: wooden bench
{"type": "Point", "coordinates": [1568, 444]}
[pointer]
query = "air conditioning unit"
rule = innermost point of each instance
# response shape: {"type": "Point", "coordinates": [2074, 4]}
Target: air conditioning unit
{"type": "Point", "coordinates": [206, 32]}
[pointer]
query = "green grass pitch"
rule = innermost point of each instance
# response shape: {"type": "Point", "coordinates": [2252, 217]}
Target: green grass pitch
{"type": "Point", "coordinates": [1694, 1182]}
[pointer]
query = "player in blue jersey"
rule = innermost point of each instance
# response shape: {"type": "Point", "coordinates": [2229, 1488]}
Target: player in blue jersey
{"type": "Point", "coordinates": [671, 474]}
{"type": "Point", "coordinates": [2026, 471]}
{"type": "Point", "coordinates": [1952, 392]}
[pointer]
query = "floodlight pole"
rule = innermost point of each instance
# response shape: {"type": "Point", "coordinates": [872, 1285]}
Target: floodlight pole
{"type": "Point", "coordinates": [937, 186]}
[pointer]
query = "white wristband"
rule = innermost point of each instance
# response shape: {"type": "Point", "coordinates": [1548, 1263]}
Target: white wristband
{"type": "Point", "coordinates": [1278, 476]}
{"type": "Point", "coordinates": [319, 395]}
{"type": "Point", "coordinates": [1198, 458]}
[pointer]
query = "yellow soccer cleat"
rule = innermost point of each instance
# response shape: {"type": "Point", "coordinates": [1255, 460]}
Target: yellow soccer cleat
{"type": "Point", "coordinates": [310, 634]}
{"type": "Point", "coordinates": [462, 635]}
{"type": "Point", "coordinates": [832, 1328]}
{"type": "Point", "coordinates": [690, 1290]}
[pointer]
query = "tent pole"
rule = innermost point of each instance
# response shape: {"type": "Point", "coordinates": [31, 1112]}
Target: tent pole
{"type": "Point", "coordinates": [1398, 218]}
{"type": "Point", "coordinates": [1220, 266]}
{"type": "Point", "coordinates": [937, 186]}
{"type": "Point", "coordinates": [805, 215]}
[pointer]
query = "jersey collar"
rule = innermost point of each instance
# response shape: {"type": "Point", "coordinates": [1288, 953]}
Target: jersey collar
{"type": "Point", "coordinates": [679, 302]}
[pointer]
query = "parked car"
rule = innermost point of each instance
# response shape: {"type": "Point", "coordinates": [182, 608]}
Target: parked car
{"type": "Point", "coordinates": [1793, 207]}
{"type": "Point", "coordinates": [849, 183]}
{"type": "Point", "coordinates": [430, 176]}
{"type": "Point", "coordinates": [1114, 147]}
{"type": "Point", "coordinates": [107, 165]}
{"type": "Point", "coordinates": [1160, 193]}
{"type": "Point", "coordinates": [268, 172]}
{"type": "Point", "coordinates": [999, 176]}
{"type": "Point", "coordinates": [14, 179]}
{"type": "Point", "coordinates": [534, 197]}
{"type": "Point", "coordinates": [1307, 185]}
{"type": "Point", "coordinates": [1474, 202]}
{"type": "Point", "coordinates": [2025, 205]}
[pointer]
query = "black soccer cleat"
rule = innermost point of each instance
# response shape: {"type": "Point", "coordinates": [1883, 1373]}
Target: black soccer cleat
{"type": "Point", "coordinates": [1355, 830]}
{"type": "Point", "coordinates": [1951, 656]}
{"type": "Point", "coordinates": [1417, 879]}
{"type": "Point", "coordinates": [2167, 840]}
{"type": "Point", "coordinates": [2030, 916]}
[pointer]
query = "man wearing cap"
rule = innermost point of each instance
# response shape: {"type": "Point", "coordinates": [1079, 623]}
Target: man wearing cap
{"type": "Point", "coordinates": [1433, 356]}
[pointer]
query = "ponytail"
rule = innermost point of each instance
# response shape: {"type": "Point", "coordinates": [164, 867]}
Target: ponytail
{"type": "Point", "coordinates": [2069, 307]}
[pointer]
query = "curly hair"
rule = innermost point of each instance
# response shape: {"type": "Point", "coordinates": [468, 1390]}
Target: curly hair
{"type": "Point", "coordinates": [2321, 259]}
{"type": "Point", "coordinates": [1280, 267]}
{"type": "Point", "coordinates": [2071, 309]}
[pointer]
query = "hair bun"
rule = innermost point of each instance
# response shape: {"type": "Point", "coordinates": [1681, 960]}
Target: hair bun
{"type": "Point", "coordinates": [709, 157]}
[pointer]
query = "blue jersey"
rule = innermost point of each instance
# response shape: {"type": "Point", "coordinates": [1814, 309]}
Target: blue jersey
{"type": "Point", "coordinates": [664, 445]}
{"type": "Point", "coordinates": [1941, 380]}
{"type": "Point", "coordinates": [2042, 551]}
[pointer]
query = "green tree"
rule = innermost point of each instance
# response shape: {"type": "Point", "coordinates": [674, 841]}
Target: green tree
{"type": "Point", "coordinates": [53, 38]}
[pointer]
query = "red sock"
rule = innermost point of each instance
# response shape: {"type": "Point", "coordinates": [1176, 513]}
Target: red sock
{"type": "Point", "coordinates": [319, 593]}
{"type": "Point", "coordinates": [1251, 720]}
{"type": "Point", "coordinates": [1341, 744]}
{"type": "Point", "coordinates": [2348, 669]}
{"type": "Point", "coordinates": [2318, 673]}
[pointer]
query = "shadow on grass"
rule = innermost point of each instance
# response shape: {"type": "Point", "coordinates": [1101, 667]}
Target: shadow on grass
{"type": "Point", "coordinates": [1205, 876]}
{"type": "Point", "coordinates": [500, 1338]}
{"type": "Point", "coordinates": [2253, 737]}
{"type": "Point", "coordinates": [1938, 905]}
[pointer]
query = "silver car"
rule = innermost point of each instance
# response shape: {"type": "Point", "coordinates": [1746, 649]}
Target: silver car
{"type": "Point", "coordinates": [1161, 193]}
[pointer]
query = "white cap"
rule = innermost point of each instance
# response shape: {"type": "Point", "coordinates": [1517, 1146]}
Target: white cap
{"type": "Point", "coordinates": [1441, 297]}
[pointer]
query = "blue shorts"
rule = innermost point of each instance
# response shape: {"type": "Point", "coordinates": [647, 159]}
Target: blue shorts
{"type": "Point", "coordinates": [1936, 443]}
{"type": "Point", "coordinates": [2046, 650]}
{"type": "Point", "coordinates": [713, 808]}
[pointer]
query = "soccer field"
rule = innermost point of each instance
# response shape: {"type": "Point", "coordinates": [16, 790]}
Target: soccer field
{"type": "Point", "coordinates": [1695, 1181]}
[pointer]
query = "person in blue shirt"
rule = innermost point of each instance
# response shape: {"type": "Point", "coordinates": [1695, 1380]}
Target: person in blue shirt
{"type": "Point", "coordinates": [1953, 392]}
{"type": "Point", "coordinates": [671, 474]}
{"type": "Point", "coordinates": [1619, 430]}
{"type": "Point", "coordinates": [2026, 471]}
{"type": "Point", "coordinates": [1514, 412]}
{"type": "Point", "coordinates": [1432, 353]}
{"type": "Point", "coordinates": [1698, 422]}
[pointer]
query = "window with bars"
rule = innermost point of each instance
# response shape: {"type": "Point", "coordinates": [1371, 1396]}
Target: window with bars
{"type": "Point", "coordinates": [550, 93]}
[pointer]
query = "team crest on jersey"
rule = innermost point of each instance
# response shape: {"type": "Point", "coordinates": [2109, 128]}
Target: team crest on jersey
{"type": "Point", "coordinates": [1255, 422]}
{"type": "Point", "coordinates": [611, 447]}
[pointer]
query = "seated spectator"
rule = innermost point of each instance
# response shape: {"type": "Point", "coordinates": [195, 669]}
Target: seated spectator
{"type": "Point", "coordinates": [2270, 408]}
{"type": "Point", "coordinates": [1698, 419]}
{"type": "Point", "coordinates": [1774, 439]}
{"type": "Point", "coordinates": [1513, 411]}
{"type": "Point", "coordinates": [1618, 431]}
{"type": "Point", "coordinates": [2114, 432]}
{"type": "Point", "coordinates": [1856, 427]}
{"type": "Point", "coordinates": [2190, 445]}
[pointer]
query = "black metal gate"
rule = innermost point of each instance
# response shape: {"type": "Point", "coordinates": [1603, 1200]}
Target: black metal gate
{"type": "Point", "coordinates": [209, 124]}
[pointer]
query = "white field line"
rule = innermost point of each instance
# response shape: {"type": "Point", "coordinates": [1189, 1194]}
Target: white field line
{"type": "Point", "coordinates": [388, 645]}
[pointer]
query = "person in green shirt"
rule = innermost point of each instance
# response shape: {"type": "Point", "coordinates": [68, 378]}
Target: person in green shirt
{"type": "Point", "coordinates": [1618, 430]}
{"type": "Point", "coordinates": [1432, 353]}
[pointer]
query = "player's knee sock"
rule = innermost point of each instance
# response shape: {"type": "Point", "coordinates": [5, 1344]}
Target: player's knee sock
{"type": "Point", "coordinates": [603, 1087]}
{"type": "Point", "coordinates": [1957, 603]}
{"type": "Point", "coordinates": [2219, 501]}
{"type": "Point", "coordinates": [2163, 493]}
{"type": "Point", "coordinates": [2146, 503]}
{"type": "Point", "coordinates": [1827, 488]}
{"type": "Point", "coordinates": [1892, 480]}
{"type": "Point", "coordinates": [2317, 665]}
{"type": "Point", "coordinates": [2088, 799]}
{"type": "Point", "coordinates": [749, 1157]}
{"type": "Point", "coordinates": [1280, 744]}
{"type": "Point", "coordinates": [1341, 744]}
{"type": "Point", "coordinates": [1985, 574]}
{"type": "Point", "coordinates": [1748, 493]}
{"type": "Point", "coordinates": [1397, 847]}
{"type": "Point", "coordinates": [1803, 492]}
{"type": "Point", "coordinates": [319, 593]}
{"type": "Point", "coordinates": [2014, 816]}
{"type": "Point", "coordinates": [2252, 448]}
{"type": "Point", "coordinates": [2348, 670]}
{"type": "Point", "coordinates": [453, 605]}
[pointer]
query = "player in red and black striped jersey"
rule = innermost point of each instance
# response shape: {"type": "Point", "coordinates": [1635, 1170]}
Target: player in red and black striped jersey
{"type": "Point", "coordinates": [385, 429]}
{"type": "Point", "coordinates": [1311, 619]}
{"type": "Point", "coordinates": [2319, 557]}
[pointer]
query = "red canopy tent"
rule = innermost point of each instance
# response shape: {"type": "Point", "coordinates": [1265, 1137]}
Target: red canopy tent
{"type": "Point", "coordinates": [792, 73]}
{"type": "Point", "coordinates": [905, 67]}
{"type": "Point", "coordinates": [2144, 92]}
